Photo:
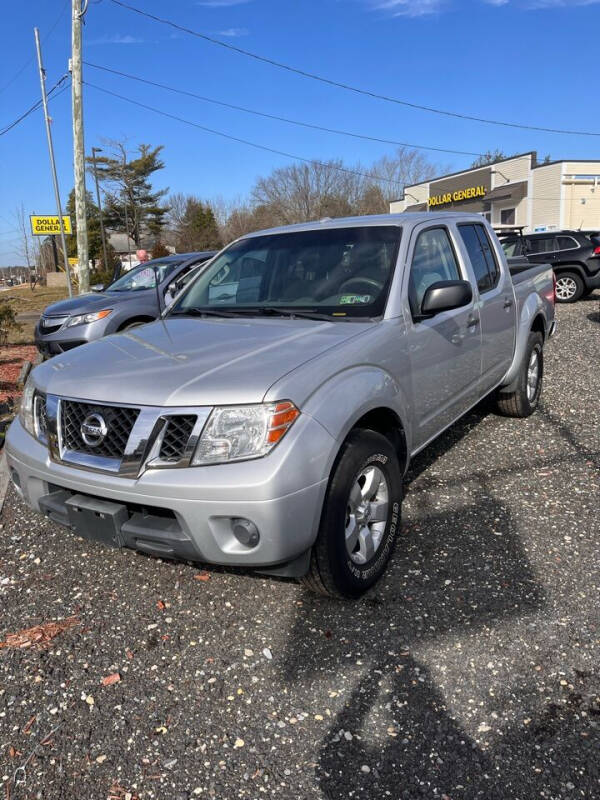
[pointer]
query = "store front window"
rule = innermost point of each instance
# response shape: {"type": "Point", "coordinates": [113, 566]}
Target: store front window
{"type": "Point", "coordinates": [507, 216]}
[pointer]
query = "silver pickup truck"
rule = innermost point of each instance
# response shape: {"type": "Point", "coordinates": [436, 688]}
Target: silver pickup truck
{"type": "Point", "coordinates": [267, 420]}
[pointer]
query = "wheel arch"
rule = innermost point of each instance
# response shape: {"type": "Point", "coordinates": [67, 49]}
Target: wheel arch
{"type": "Point", "coordinates": [141, 318]}
{"type": "Point", "coordinates": [539, 324]}
{"type": "Point", "coordinates": [363, 397]}
{"type": "Point", "coordinates": [385, 420]}
{"type": "Point", "coordinates": [570, 267]}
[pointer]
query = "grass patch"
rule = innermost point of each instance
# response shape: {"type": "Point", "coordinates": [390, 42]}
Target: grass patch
{"type": "Point", "coordinates": [23, 299]}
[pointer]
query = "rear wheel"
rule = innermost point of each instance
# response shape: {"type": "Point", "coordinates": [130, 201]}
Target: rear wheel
{"type": "Point", "coordinates": [360, 518]}
{"type": "Point", "coordinates": [569, 287]}
{"type": "Point", "coordinates": [524, 400]}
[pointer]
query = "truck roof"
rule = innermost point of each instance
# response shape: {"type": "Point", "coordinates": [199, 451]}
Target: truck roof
{"type": "Point", "coordinates": [412, 217]}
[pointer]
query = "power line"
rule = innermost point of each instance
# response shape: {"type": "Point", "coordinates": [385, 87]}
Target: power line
{"type": "Point", "coordinates": [372, 177]}
{"type": "Point", "coordinates": [278, 118]}
{"type": "Point", "coordinates": [36, 105]}
{"type": "Point", "coordinates": [32, 59]}
{"type": "Point", "coordinates": [346, 86]}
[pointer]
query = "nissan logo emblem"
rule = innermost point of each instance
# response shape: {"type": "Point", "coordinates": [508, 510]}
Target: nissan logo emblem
{"type": "Point", "coordinates": [93, 430]}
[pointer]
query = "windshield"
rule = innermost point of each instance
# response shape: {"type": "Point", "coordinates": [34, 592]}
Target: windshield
{"type": "Point", "coordinates": [339, 272]}
{"type": "Point", "coordinates": [143, 276]}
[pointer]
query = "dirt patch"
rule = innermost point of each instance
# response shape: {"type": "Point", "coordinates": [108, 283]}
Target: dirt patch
{"type": "Point", "coordinates": [12, 358]}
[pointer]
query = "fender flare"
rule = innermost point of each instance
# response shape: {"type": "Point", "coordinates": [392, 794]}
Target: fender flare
{"type": "Point", "coordinates": [347, 396]}
{"type": "Point", "coordinates": [532, 309]}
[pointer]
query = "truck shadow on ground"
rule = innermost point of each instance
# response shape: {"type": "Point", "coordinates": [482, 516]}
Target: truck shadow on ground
{"type": "Point", "coordinates": [455, 574]}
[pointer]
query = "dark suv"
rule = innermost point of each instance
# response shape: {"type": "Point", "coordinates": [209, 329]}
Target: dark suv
{"type": "Point", "coordinates": [574, 255]}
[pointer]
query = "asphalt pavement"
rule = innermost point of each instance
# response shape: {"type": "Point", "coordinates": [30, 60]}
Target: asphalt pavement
{"type": "Point", "coordinates": [471, 671]}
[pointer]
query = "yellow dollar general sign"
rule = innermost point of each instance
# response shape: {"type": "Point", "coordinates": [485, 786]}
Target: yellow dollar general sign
{"type": "Point", "coordinates": [49, 225]}
{"type": "Point", "coordinates": [455, 197]}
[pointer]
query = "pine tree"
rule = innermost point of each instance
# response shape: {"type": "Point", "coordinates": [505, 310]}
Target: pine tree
{"type": "Point", "coordinates": [198, 229]}
{"type": "Point", "coordinates": [129, 192]}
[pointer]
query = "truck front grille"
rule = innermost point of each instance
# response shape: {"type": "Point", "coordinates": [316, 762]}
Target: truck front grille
{"type": "Point", "coordinates": [177, 434]}
{"type": "Point", "coordinates": [119, 422]}
{"type": "Point", "coordinates": [41, 415]}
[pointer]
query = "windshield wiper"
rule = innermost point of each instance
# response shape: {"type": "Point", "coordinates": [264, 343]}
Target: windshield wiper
{"type": "Point", "coordinates": [201, 312]}
{"type": "Point", "coordinates": [276, 311]}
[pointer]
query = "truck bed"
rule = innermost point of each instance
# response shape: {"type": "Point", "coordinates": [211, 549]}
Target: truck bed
{"type": "Point", "coordinates": [519, 265]}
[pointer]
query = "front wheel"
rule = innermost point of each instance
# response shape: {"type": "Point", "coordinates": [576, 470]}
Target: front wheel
{"type": "Point", "coordinates": [360, 518]}
{"type": "Point", "coordinates": [524, 400]}
{"type": "Point", "coordinates": [569, 287]}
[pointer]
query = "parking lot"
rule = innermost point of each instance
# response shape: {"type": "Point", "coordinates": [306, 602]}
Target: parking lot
{"type": "Point", "coordinates": [470, 671]}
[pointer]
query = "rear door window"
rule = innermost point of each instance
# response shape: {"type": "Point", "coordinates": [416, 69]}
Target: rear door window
{"type": "Point", "coordinates": [482, 258]}
{"type": "Point", "coordinates": [542, 244]}
{"type": "Point", "coordinates": [476, 257]}
{"type": "Point", "coordinates": [489, 255]}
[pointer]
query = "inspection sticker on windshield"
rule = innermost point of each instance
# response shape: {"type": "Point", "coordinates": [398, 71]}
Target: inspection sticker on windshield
{"type": "Point", "coordinates": [353, 299]}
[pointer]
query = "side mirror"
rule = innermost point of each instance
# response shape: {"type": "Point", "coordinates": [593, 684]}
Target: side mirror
{"type": "Point", "coordinates": [444, 296]}
{"type": "Point", "coordinates": [97, 287]}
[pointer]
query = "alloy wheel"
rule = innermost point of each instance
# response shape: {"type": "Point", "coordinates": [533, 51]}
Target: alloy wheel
{"type": "Point", "coordinates": [565, 288]}
{"type": "Point", "coordinates": [533, 374]}
{"type": "Point", "coordinates": [367, 512]}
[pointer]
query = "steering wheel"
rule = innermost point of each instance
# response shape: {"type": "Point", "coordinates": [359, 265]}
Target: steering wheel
{"type": "Point", "coordinates": [370, 282]}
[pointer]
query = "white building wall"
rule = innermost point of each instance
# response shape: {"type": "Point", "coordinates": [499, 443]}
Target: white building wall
{"type": "Point", "coordinates": [511, 171]}
{"type": "Point", "coordinates": [546, 197]}
{"type": "Point", "coordinates": [413, 195]}
{"type": "Point", "coordinates": [581, 191]}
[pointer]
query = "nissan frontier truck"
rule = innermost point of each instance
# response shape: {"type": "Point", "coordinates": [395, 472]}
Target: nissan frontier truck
{"type": "Point", "coordinates": [267, 420]}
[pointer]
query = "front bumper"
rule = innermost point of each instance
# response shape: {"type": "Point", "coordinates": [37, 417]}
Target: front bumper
{"type": "Point", "coordinates": [189, 512]}
{"type": "Point", "coordinates": [53, 344]}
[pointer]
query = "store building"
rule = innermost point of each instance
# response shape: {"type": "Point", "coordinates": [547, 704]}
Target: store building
{"type": "Point", "coordinates": [516, 191]}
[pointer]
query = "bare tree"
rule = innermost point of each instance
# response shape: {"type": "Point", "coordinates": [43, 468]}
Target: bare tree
{"type": "Point", "coordinates": [25, 248]}
{"type": "Point", "coordinates": [303, 192]}
{"type": "Point", "coordinates": [177, 203]}
{"type": "Point", "coordinates": [405, 167]}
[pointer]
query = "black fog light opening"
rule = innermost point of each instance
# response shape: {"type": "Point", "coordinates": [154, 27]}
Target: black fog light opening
{"type": "Point", "coordinates": [15, 477]}
{"type": "Point", "coordinates": [245, 532]}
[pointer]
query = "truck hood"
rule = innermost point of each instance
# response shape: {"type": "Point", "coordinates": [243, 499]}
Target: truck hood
{"type": "Point", "coordinates": [184, 362]}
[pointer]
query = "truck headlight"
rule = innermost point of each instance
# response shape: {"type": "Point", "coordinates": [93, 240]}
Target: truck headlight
{"type": "Point", "coordinates": [83, 319]}
{"type": "Point", "coordinates": [26, 408]}
{"type": "Point", "coordinates": [235, 433]}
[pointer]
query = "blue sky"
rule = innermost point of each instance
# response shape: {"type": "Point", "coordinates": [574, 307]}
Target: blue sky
{"type": "Point", "coordinates": [528, 61]}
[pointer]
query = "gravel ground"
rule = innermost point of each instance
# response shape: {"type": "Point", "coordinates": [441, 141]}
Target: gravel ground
{"type": "Point", "coordinates": [471, 671]}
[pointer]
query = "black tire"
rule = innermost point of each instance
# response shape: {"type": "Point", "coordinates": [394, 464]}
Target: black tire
{"type": "Point", "coordinates": [522, 403]}
{"type": "Point", "coordinates": [333, 571]}
{"type": "Point", "coordinates": [569, 287]}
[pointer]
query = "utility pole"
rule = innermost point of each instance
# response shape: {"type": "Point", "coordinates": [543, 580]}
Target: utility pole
{"type": "Point", "coordinates": [125, 207]}
{"type": "Point", "coordinates": [94, 151]}
{"type": "Point", "coordinates": [78, 144]}
{"type": "Point", "coordinates": [52, 163]}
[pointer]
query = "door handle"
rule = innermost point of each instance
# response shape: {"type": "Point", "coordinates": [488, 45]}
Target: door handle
{"type": "Point", "coordinates": [472, 322]}
{"type": "Point", "coordinates": [507, 303]}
